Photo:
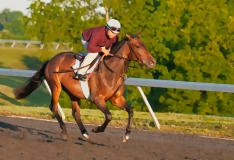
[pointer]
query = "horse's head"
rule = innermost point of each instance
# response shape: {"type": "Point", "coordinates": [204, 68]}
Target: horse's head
{"type": "Point", "coordinates": [139, 52]}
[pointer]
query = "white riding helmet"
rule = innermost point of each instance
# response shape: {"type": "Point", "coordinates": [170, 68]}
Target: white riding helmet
{"type": "Point", "coordinates": [113, 25]}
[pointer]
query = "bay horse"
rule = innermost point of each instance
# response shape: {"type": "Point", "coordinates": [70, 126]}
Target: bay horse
{"type": "Point", "coordinates": [106, 82]}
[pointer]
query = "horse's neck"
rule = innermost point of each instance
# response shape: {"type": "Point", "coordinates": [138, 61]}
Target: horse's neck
{"type": "Point", "coordinates": [119, 65]}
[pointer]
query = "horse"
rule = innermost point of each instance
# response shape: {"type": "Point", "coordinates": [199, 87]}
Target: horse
{"type": "Point", "coordinates": [106, 82]}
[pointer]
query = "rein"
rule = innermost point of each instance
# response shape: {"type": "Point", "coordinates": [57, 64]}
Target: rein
{"type": "Point", "coordinates": [102, 59]}
{"type": "Point", "coordinates": [126, 59]}
{"type": "Point", "coordinates": [70, 70]}
{"type": "Point", "coordinates": [124, 75]}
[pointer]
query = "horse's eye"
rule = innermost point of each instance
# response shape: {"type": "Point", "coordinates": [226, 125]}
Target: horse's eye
{"type": "Point", "coordinates": [138, 46]}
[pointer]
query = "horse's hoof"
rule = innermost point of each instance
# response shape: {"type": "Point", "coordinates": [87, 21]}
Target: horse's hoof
{"type": "Point", "coordinates": [96, 130]}
{"type": "Point", "coordinates": [64, 136]}
{"type": "Point", "coordinates": [125, 138]}
{"type": "Point", "coordinates": [86, 136]}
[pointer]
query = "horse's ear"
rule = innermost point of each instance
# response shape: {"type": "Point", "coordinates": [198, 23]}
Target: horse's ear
{"type": "Point", "coordinates": [139, 34]}
{"type": "Point", "coordinates": [128, 36]}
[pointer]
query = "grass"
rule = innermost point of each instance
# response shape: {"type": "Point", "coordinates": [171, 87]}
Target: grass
{"type": "Point", "coordinates": [40, 97]}
{"type": "Point", "coordinates": [21, 58]}
{"type": "Point", "coordinates": [171, 122]}
{"type": "Point", "coordinates": [26, 59]}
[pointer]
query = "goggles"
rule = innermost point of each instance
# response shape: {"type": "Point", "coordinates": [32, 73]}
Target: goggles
{"type": "Point", "coordinates": [113, 28]}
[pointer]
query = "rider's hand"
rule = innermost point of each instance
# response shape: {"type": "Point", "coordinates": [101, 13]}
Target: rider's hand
{"type": "Point", "coordinates": [105, 51]}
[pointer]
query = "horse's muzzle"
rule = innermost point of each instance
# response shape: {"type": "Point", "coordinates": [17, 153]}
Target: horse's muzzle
{"type": "Point", "coordinates": [151, 63]}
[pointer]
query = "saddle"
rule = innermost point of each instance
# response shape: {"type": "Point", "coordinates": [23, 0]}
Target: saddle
{"type": "Point", "coordinates": [80, 56]}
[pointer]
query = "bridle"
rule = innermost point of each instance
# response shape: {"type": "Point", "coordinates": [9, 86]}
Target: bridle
{"type": "Point", "coordinates": [103, 59]}
{"type": "Point", "coordinates": [126, 59]}
{"type": "Point", "coordinates": [104, 62]}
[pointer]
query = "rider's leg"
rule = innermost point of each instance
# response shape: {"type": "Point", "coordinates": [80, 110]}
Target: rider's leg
{"type": "Point", "coordinates": [85, 43]}
{"type": "Point", "coordinates": [88, 59]}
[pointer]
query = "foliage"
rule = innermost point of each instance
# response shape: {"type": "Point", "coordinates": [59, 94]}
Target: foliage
{"type": "Point", "coordinates": [61, 21]}
{"type": "Point", "coordinates": [11, 25]}
{"type": "Point", "coordinates": [199, 38]}
{"type": "Point", "coordinates": [1, 27]}
{"type": "Point", "coordinates": [192, 41]}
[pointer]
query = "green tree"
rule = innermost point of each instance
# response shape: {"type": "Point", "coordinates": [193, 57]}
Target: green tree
{"type": "Point", "coordinates": [61, 21]}
{"type": "Point", "coordinates": [64, 21]}
{"type": "Point", "coordinates": [12, 21]}
{"type": "Point", "coordinates": [1, 27]}
{"type": "Point", "coordinates": [197, 38]}
{"type": "Point", "coordinates": [192, 41]}
{"type": "Point", "coordinates": [4, 16]}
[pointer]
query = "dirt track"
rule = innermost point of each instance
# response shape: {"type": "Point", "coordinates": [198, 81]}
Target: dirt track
{"type": "Point", "coordinates": [27, 139]}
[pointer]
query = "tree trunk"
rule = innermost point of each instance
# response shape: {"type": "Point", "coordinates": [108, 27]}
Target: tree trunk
{"type": "Point", "coordinates": [107, 13]}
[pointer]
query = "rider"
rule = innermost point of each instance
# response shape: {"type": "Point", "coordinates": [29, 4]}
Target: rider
{"type": "Point", "coordinates": [98, 39]}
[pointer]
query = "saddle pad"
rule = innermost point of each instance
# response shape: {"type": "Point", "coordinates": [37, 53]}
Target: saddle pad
{"type": "Point", "coordinates": [84, 84]}
{"type": "Point", "coordinates": [85, 88]}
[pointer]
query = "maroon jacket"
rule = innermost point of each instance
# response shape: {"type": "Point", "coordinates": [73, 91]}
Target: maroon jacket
{"type": "Point", "coordinates": [97, 38]}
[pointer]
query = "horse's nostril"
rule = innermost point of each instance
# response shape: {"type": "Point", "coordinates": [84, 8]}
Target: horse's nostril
{"type": "Point", "coordinates": [152, 63]}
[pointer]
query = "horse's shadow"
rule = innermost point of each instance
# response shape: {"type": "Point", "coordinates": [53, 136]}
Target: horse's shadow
{"type": "Point", "coordinates": [49, 138]}
{"type": "Point", "coordinates": [91, 142]}
{"type": "Point", "coordinates": [19, 128]}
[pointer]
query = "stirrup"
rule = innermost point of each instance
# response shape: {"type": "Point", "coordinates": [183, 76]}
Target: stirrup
{"type": "Point", "coordinates": [80, 76]}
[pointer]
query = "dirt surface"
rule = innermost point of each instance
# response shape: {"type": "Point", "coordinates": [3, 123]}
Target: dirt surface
{"type": "Point", "coordinates": [28, 139]}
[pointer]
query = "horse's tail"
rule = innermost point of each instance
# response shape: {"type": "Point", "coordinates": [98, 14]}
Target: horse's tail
{"type": "Point", "coordinates": [32, 84]}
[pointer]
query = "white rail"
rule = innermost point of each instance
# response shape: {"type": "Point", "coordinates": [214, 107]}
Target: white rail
{"type": "Point", "coordinates": [28, 42]}
{"type": "Point", "coordinates": [140, 82]}
{"type": "Point", "coordinates": [30, 73]}
{"type": "Point", "coordinates": [144, 82]}
{"type": "Point", "coordinates": [130, 81]}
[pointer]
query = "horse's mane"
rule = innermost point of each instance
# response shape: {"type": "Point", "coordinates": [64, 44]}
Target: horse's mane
{"type": "Point", "coordinates": [119, 44]}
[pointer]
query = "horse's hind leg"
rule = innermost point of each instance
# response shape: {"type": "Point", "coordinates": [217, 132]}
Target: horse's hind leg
{"type": "Point", "coordinates": [121, 103]}
{"type": "Point", "coordinates": [55, 92]}
{"type": "Point", "coordinates": [76, 116]}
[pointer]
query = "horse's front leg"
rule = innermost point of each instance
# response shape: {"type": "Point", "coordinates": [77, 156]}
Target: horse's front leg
{"type": "Point", "coordinates": [101, 104]}
{"type": "Point", "coordinates": [120, 102]}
